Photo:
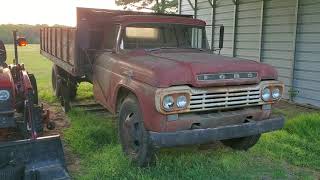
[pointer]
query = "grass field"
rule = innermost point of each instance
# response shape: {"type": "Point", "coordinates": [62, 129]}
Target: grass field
{"type": "Point", "coordinates": [292, 153]}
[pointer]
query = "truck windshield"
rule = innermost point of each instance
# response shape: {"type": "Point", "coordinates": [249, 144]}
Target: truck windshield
{"type": "Point", "coordinates": [152, 36]}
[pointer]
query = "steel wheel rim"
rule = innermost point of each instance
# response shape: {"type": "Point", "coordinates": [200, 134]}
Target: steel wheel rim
{"type": "Point", "coordinates": [133, 136]}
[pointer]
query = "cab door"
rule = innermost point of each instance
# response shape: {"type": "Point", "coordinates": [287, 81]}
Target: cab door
{"type": "Point", "coordinates": [104, 77]}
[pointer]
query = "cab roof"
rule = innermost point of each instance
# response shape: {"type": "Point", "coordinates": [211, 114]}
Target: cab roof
{"type": "Point", "coordinates": [133, 19]}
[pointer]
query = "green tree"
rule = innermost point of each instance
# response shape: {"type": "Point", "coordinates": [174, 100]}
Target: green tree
{"type": "Point", "coordinates": [30, 32]}
{"type": "Point", "coordinates": [158, 6]}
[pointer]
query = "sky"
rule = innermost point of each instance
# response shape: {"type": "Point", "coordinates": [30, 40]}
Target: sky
{"type": "Point", "coordinates": [47, 11]}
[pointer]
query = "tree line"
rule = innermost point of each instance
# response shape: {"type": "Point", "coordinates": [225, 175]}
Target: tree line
{"type": "Point", "coordinates": [30, 32]}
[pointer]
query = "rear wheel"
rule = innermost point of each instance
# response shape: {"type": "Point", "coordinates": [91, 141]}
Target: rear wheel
{"type": "Point", "coordinates": [134, 138]}
{"type": "Point", "coordinates": [73, 91]}
{"type": "Point", "coordinates": [65, 97]}
{"type": "Point", "coordinates": [58, 76]}
{"type": "Point", "coordinates": [56, 86]}
{"type": "Point", "coordinates": [243, 143]}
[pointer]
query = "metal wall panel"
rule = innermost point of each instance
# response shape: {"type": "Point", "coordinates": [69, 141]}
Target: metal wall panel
{"type": "Point", "coordinates": [186, 8]}
{"type": "Point", "coordinates": [204, 13]}
{"type": "Point", "coordinates": [224, 16]}
{"type": "Point", "coordinates": [282, 33]}
{"type": "Point", "coordinates": [277, 38]}
{"type": "Point", "coordinates": [248, 28]}
{"type": "Point", "coordinates": [307, 57]}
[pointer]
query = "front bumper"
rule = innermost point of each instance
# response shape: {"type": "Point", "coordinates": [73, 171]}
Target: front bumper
{"type": "Point", "coordinates": [203, 136]}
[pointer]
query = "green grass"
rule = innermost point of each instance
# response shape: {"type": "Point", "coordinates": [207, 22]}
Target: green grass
{"type": "Point", "coordinates": [289, 153]}
{"type": "Point", "coordinates": [292, 153]}
{"type": "Point", "coordinates": [41, 67]}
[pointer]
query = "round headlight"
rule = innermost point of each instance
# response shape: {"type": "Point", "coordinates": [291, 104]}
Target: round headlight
{"type": "Point", "coordinates": [4, 95]}
{"type": "Point", "coordinates": [168, 102]}
{"type": "Point", "coordinates": [182, 101]}
{"type": "Point", "coordinates": [276, 93]}
{"type": "Point", "coordinates": [266, 94]}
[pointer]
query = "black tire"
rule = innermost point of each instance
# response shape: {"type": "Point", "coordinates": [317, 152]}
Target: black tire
{"type": "Point", "coordinates": [37, 120]}
{"type": "Point", "coordinates": [243, 143]}
{"type": "Point", "coordinates": [73, 91]}
{"type": "Point", "coordinates": [134, 138]}
{"type": "Point", "coordinates": [57, 83]}
{"type": "Point", "coordinates": [56, 86]}
{"type": "Point", "coordinates": [3, 53]}
{"type": "Point", "coordinates": [33, 82]}
{"type": "Point", "coordinates": [65, 97]}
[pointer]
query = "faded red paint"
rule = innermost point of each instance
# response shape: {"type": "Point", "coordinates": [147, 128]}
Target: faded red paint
{"type": "Point", "coordinates": [6, 80]}
{"type": "Point", "coordinates": [15, 85]}
{"type": "Point", "coordinates": [157, 70]}
{"type": "Point", "coordinates": [143, 72]}
{"type": "Point", "coordinates": [164, 69]}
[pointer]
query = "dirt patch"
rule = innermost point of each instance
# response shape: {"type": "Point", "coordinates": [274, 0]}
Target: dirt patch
{"type": "Point", "coordinates": [58, 116]}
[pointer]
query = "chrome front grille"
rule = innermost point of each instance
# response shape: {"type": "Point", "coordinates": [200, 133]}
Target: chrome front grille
{"type": "Point", "coordinates": [225, 98]}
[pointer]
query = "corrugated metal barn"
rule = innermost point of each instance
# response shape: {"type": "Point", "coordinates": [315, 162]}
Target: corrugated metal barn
{"type": "Point", "coordinates": [283, 33]}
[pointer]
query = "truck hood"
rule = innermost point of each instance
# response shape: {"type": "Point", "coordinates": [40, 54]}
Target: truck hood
{"type": "Point", "coordinates": [165, 69]}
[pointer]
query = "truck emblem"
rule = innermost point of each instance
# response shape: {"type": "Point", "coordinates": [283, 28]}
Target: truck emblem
{"type": "Point", "coordinates": [236, 76]}
{"type": "Point", "coordinates": [222, 76]}
{"type": "Point", "coordinates": [227, 76]}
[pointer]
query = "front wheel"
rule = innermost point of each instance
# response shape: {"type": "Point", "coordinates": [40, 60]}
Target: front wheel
{"type": "Point", "coordinates": [134, 138]}
{"type": "Point", "coordinates": [243, 143]}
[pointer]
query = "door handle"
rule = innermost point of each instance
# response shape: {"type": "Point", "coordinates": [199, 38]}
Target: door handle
{"type": "Point", "coordinates": [128, 73]}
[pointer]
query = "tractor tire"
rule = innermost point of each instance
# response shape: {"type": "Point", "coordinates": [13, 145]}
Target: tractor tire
{"type": "Point", "coordinates": [134, 138]}
{"type": "Point", "coordinates": [243, 143]}
{"type": "Point", "coordinates": [37, 119]}
{"type": "Point", "coordinates": [56, 85]}
{"type": "Point", "coordinates": [33, 82]}
{"type": "Point", "coordinates": [3, 53]}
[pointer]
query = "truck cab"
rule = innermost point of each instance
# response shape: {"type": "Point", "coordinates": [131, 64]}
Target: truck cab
{"type": "Point", "coordinates": [168, 88]}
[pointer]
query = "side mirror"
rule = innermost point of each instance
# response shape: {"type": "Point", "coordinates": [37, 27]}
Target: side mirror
{"type": "Point", "coordinates": [21, 41]}
{"type": "Point", "coordinates": [221, 37]}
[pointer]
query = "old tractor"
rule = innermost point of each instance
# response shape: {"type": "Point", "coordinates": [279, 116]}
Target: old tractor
{"type": "Point", "coordinates": [27, 154]}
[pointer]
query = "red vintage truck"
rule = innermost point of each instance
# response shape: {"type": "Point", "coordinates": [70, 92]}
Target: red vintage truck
{"type": "Point", "coordinates": [158, 75]}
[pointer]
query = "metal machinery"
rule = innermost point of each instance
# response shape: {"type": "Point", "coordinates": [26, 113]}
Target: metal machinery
{"type": "Point", "coordinates": [33, 157]}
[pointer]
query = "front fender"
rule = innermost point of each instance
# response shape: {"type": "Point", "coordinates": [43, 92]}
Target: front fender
{"type": "Point", "coordinates": [153, 120]}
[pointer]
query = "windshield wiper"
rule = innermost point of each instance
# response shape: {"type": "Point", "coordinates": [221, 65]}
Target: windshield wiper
{"type": "Point", "coordinates": [200, 49]}
{"type": "Point", "coordinates": [160, 48]}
